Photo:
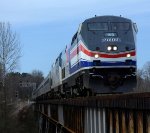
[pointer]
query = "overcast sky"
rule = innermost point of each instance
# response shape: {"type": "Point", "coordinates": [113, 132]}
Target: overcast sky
{"type": "Point", "coordinates": [46, 26]}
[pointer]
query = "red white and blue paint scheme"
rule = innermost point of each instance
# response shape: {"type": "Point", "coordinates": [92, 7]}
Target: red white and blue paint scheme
{"type": "Point", "coordinates": [100, 59]}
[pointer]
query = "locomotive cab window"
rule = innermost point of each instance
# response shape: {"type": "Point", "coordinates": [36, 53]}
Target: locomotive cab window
{"type": "Point", "coordinates": [60, 60]}
{"type": "Point", "coordinates": [135, 27]}
{"type": "Point", "coordinates": [120, 26]}
{"type": "Point", "coordinates": [74, 38]}
{"type": "Point", "coordinates": [98, 26]}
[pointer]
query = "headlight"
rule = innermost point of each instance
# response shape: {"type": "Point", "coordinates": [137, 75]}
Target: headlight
{"type": "Point", "coordinates": [115, 48]}
{"type": "Point", "coordinates": [128, 55]}
{"type": "Point", "coordinates": [96, 56]}
{"type": "Point", "coordinates": [109, 48]}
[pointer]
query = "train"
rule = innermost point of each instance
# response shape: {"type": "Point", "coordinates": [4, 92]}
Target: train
{"type": "Point", "coordinates": [100, 59]}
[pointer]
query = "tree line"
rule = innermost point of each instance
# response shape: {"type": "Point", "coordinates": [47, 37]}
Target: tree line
{"type": "Point", "coordinates": [20, 85]}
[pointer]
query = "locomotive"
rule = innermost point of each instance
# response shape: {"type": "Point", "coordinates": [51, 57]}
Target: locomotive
{"type": "Point", "coordinates": [100, 59]}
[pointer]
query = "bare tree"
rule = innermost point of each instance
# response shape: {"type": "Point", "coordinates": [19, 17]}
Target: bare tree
{"type": "Point", "coordinates": [9, 55]}
{"type": "Point", "coordinates": [143, 78]}
{"type": "Point", "coordinates": [37, 73]}
{"type": "Point", "coordinates": [140, 81]}
{"type": "Point", "coordinates": [9, 48]}
{"type": "Point", "coordinates": [146, 75]}
{"type": "Point", "coordinates": [147, 71]}
{"type": "Point", "coordinates": [37, 76]}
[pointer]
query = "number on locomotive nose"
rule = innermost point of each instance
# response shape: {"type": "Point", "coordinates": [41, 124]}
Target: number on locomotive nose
{"type": "Point", "coordinates": [111, 40]}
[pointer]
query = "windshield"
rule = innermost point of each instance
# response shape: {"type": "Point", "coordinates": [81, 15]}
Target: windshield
{"type": "Point", "coordinates": [98, 26]}
{"type": "Point", "coordinates": [103, 26]}
{"type": "Point", "coordinates": [120, 26]}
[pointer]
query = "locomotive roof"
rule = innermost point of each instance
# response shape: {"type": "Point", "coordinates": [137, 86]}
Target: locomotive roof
{"type": "Point", "coordinates": [107, 18]}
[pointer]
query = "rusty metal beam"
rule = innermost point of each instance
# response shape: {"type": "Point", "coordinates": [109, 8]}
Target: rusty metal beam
{"type": "Point", "coordinates": [148, 123]}
{"type": "Point", "coordinates": [123, 122]}
{"type": "Point", "coordinates": [126, 101]}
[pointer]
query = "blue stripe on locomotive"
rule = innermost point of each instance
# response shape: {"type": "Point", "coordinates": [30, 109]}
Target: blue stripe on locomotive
{"type": "Point", "coordinates": [83, 64]}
